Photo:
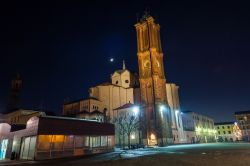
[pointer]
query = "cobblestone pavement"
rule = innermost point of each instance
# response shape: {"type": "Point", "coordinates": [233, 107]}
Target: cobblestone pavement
{"type": "Point", "coordinates": [229, 154]}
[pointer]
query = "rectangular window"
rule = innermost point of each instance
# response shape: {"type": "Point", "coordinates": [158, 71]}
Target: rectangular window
{"type": "Point", "coordinates": [86, 142]}
{"type": "Point", "coordinates": [104, 141]}
{"type": "Point", "coordinates": [44, 142]}
{"type": "Point", "coordinates": [57, 142]}
{"type": "Point", "coordinates": [78, 141]}
{"type": "Point", "coordinates": [96, 141]}
{"type": "Point", "coordinates": [111, 141]}
{"type": "Point", "coordinates": [68, 142]}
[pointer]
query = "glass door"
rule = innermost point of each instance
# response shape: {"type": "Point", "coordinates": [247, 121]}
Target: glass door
{"type": "Point", "coordinates": [28, 148]}
{"type": "Point", "coordinates": [3, 150]}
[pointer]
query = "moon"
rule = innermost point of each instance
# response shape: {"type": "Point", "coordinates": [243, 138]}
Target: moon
{"type": "Point", "coordinates": [111, 59]}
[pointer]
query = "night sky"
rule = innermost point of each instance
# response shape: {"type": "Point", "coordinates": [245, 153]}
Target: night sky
{"type": "Point", "coordinates": [63, 48]}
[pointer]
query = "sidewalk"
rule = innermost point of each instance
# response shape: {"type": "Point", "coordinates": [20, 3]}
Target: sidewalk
{"type": "Point", "coordinates": [8, 162]}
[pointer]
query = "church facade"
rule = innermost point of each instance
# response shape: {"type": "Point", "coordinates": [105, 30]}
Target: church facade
{"type": "Point", "coordinates": [157, 120]}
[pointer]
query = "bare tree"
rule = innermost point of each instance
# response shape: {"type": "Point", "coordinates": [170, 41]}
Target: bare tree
{"type": "Point", "coordinates": [198, 138]}
{"type": "Point", "coordinates": [125, 124]}
{"type": "Point", "coordinates": [119, 127]}
{"type": "Point", "coordinates": [131, 124]}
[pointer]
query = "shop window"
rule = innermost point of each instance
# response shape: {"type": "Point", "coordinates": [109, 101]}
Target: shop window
{"type": "Point", "coordinates": [44, 142]}
{"type": "Point", "coordinates": [96, 141]}
{"type": "Point", "coordinates": [111, 141]}
{"type": "Point", "coordinates": [104, 141]}
{"type": "Point", "coordinates": [86, 142]}
{"type": "Point", "coordinates": [68, 142]}
{"type": "Point", "coordinates": [57, 142]}
{"type": "Point", "coordinates": [78, 141]}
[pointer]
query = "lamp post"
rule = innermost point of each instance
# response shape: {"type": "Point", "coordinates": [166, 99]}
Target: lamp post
{"type": "Point", "coordinates": [137, 114]}
{"type": "Point", "coordinates": [159, 122]}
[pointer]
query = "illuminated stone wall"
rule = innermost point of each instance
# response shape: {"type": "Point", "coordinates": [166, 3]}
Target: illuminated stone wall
{"type": "Point", "coordinates": [112, 96]}
{"type": "Point", "coordinates": [174, 104]}
{"type": "Point", "coordinates": [198, 128]}
{"type": "Point", "coordinates": [123, 78]}
{"type": "Point", "coordinates": [83, 108]}
{"type": "Point", "coordinates": [243, 119]}
{"type": "Point", "coordinates": [228, 132]}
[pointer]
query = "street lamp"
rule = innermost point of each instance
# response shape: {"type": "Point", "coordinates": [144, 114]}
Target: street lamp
{"type": "Point", "coordinates": [135, 110]}
{"type": "Point", "coordinates": [132, 136]}
{"type": "Point", "coordinates": [162, 108]}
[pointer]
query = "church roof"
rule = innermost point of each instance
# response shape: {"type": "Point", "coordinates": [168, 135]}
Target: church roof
{"type": "Point", "coordinates": [96, 112]}
{"type": "Point", "coordinates": [76, 101]}
{"type": "Point", "coordinates": [123, 68]}
{"type": "Point", "coordinates": [128, 105]}
{"type": "Point", "coordinates": [120, 71]}
{"type": "Point", "coordinates": [108, 84]}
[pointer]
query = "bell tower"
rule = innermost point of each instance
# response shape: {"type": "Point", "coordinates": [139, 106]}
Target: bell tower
{"type": "Point", "coordinates": [14, 97]}
{"type": "Point", "coordinates": [156, 125]}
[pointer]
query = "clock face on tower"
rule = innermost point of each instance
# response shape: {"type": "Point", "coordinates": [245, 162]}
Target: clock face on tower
{"type": "Point", "coordinates": [147, 64]}
{"type": "Point", "coordinates": [147, 68]}
{"type": "Point", "coordinates": [158, 63]}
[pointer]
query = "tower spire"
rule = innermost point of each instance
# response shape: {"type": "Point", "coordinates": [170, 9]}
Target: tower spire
{"type": "Point", "coordinates": [123, 65]}
{"type": "Point", "coordinates": [152, 83]}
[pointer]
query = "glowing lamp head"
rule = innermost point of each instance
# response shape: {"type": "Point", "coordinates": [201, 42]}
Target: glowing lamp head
{"type": "Point", "coordinates": [198, 129]}
{"type": "Point", "coordinates": [152, 136]}
{"type": "Point", "coordinates": [136, 110]}
{"type": "Point", "coordinates": [162, 108]}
